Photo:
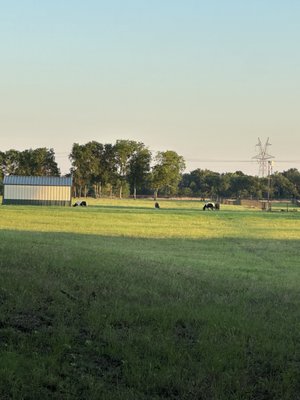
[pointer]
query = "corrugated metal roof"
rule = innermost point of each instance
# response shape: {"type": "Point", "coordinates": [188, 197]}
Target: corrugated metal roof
{"type": "Point", "coordinates": [37, 180]}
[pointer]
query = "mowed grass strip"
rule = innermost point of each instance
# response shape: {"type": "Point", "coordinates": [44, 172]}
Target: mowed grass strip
{"type": "Point", "coordinates": [137, 314]}
{"type": "Point", "coordinates": [140, 219]}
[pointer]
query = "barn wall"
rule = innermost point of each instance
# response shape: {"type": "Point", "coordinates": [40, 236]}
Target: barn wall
{"type": "Point", "coordinates": [25, 194]}
{"type": "Point", "coordinates": [36, 202]}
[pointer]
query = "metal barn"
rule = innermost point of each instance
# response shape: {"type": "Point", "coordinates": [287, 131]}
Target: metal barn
{"type": "Point", "coordinates": [37, 190]}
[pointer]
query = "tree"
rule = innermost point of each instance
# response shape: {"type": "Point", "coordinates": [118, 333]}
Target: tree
{"type": "Point", "coordinates": [124, 152]}
{"type": "Point", "coordinates": [139, 168]}
{"type": "Point", "coordinates": [204, 183]}
{"type": "Point", "coordinates": [2, 158]}
{"type": "Point", "coordinates": [93, 166]}
{"type": "Point", "coordinates": [109, 166]}
{"type": "Point", "coordinates": [33, 162]}
{"type": "Point", "coordinates": [282, 187]}
{"type": "Point", "coordinates": [38, 162]}
{"type": "Point", "coordinates": [103, 166]}
{"type": "Point", "coordinates": [11, 162]}
{"type": "Point", "coordinates": [80, 159]}
{"type": "Point", "coordinates": [244, 186]}
{"type": "Point", "coordinates": [166, 173]}
{"type": "Point", "coordinates": [199, 183]}
{"type": "Point", "coordinates": [93, 152]}
{"type": "Point", "coordinates": [213, 181]}
{"type": "Point", "coordinates": [293, 175]}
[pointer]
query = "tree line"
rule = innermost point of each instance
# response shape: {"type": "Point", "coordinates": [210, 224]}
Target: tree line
{"type": "Point", "coordinates": [128, 167]}
{"type": "Point", "coordinates": [205, 183]}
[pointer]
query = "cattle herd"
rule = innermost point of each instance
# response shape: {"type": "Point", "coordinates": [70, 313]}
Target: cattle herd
{"type": "Point", "coordinates": [207, 206]}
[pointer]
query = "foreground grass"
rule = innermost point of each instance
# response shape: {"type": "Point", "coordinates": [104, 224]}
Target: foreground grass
{"type": "Point", "coordinates": [121, 301]}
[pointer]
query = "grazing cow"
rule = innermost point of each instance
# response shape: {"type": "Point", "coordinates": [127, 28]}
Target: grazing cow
{"type": "Point", "coordinates": [80, 203]}
{"type": "Point", "coordinates": [209, 206]}
{"type": "Point", "coordinates": [156, 205]}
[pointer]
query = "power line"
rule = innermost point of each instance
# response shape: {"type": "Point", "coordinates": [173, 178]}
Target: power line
{"type": "Point", "coordinates": [205, 160]}
{"type": "Point", "coordinates": [236, 161]}
{"type": "Point", "coordinates": [217, 161]}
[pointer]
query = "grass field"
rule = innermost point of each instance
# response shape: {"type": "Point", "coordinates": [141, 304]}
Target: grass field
{"type": "Point", "coordinates": [122, 301]}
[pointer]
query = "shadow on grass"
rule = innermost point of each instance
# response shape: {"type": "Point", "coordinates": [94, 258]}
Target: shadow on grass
{"type": "Point", "coordinates": [131, 318]}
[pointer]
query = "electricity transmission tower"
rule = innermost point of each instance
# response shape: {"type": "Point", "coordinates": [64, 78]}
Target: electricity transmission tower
{"type": "Point", "coordinates": [262, 157]}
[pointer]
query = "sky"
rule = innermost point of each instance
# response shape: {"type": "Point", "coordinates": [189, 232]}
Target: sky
{"type": "Point", "coordinates": [202, 78]}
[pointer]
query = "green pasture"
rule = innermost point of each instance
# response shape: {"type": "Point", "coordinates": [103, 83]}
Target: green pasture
{"type": "Point", "coordinates": [120, 300]}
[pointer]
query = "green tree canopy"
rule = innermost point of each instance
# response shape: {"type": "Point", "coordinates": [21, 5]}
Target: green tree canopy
{"type": "Point", "coordinates": [125, 151]}
{"type": "Point", "coordinates": [139, 168]}
{"type": "Point", "coordinates": [33, 162]}
{"type": "Point", "coordinates": [167, 171]}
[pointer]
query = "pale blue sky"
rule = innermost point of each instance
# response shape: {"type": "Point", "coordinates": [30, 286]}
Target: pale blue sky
{"type": "Point", "coordinates": [203, 78]}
